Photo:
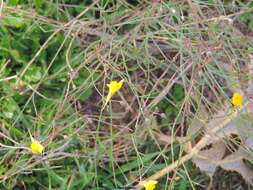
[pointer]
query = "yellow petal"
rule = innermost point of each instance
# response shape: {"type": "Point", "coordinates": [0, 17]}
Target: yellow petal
{"type": "Point", "coordinates": [149, 185]}
{"type": "Point", "coordinates": [113, 86]}
{"type": "Point", "coordinates": [36, 147]}
{"type": "Point", "coordinates": [237, 100]}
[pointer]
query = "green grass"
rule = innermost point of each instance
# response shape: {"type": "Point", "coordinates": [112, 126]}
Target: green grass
{"type": "Point", "coordinates": [54, 67]}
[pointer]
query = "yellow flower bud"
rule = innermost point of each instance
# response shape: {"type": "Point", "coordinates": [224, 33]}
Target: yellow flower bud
{"type": "Point", "coordinates": [237, 100]}
{"type": "Point", "coordinates": [36, 147]}
{"type": "Point", "coordinates": [149, 185]}
{"type": "Point", "coordinates": [113, 86]}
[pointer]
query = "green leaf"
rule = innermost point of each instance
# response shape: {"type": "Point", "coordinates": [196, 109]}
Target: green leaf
{"type": "Point", "coordinates": [134, 164]}
{"type": "Point", "coordinates": [15, 55]}
{"type": "Point", "coordinates": [68, 109]}
{"type": "Point", "coordinates": [251, 25]}
{"type": "Point", "coordinates": [178, 92]}
{"type": "Point", "coordinates": [85, 95]}
{"type": "Point", "coordinates": [38, 3]}
{"type": "Point", "coordinates": [166, 122]}
{"type": "Point", "coordinates": [13, 21]}
{"type": "Point", "coordinates": [170, 110]}
{"type": "Point", "coordinates": [85, 178]}
{"type": "Point", "coordinates": [15, 132]}
{"type": "Point", "coordinates": [55, 178]}
{"type": "Point", "coordinates": [9, 108]}
{"type": "Point", "coordinates": [183, 184]}
{"type": "Point", "coordinates": [13, 2]}
{"type": "Point", "coordinates": [163, 104]}
{"type": "Point", "coordinates": [244, 17]}
{"type": "Point", "coordinates": [5, 42]}
{"type": "Point", "coordinates": [33, 74]}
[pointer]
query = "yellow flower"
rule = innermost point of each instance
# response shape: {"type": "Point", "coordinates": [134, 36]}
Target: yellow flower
{"type": "Point", "coordinates": [36, 147]}
{"type": "Point", "coordinates": [237, 100]}
{"type": "Point", "coordinates": [149, 185]}
{"type": "Point", "coordinates": [113, 86]}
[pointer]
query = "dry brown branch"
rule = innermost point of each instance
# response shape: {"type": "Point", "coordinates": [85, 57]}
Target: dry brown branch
{"type": "Point", "coordinates": [201, 144]}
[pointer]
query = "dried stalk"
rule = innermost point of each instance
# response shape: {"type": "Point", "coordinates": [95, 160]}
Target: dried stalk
{"type": "Point", "coordinates": [201, 144]}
